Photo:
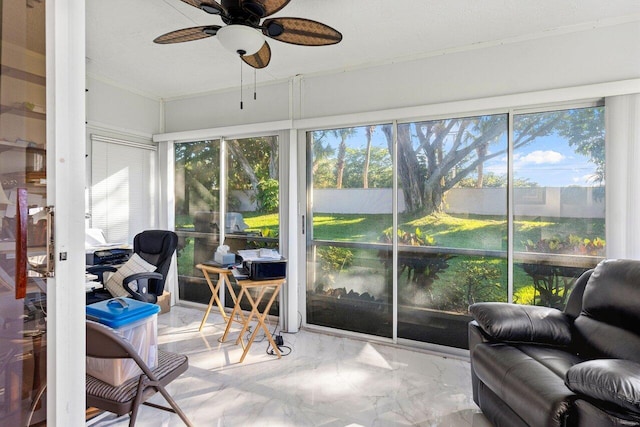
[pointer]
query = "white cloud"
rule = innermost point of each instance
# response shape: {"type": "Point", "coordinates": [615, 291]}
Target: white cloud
{"type": "Point", "coordinates": [539, 157]}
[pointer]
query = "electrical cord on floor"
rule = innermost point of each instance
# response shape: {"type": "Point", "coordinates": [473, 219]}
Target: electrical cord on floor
{"type": "Point", "coordinates": [285, 350]}
{"type": "Point", "coordinates": [258, 339]}
{"type": "Point", "coordinates": [283, 353]}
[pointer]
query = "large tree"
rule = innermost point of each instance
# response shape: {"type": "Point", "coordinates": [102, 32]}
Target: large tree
{"type": "Point", "coordinates": [379, 166]}
{"type": "Point", "coordinates": [252, 160]}
{"type": "Point", "coordinates": [198, 165]}
{"type": "Point", "coordinates": [434, 156]}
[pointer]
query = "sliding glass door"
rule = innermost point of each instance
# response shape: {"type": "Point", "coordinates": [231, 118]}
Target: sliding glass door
{"type": "Point", "coordinates": [454, 238]}
{"type": "Point", "coordinates": [197, 201]}
{"type": "Point", "coordinates": [452, 224]}
{"type": "Point", "coordinates": [559, 216]}
{"type": "Point", "coordinates": [23, 229]}
{"type": "Point", "coordinates": [226, 190]}
{"type": "Point", "coordinates": [349, 252]}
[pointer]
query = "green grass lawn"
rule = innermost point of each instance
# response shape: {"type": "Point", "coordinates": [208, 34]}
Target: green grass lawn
{"type": "Point", "coordinates": [260, 222]}
{"type": "Point", "coordinates": [452, 231]}
{"type": "Point", "coordinates": [472, 232]}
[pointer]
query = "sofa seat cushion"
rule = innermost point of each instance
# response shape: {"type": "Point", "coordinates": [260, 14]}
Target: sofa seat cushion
{"type": "Point", "coordinates": [528, 378]}
{"type": "Point", "coordinates": [595, 413]}
{"type": "Point", "coordinates": [611, 380]}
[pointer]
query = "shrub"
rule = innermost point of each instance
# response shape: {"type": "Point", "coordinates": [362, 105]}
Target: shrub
{"type": "Point", "coordinates": [267, 197]}
{"type": "Point", "coordinates": [331, 261]}
{"type": "Point", "coordinates": [421, 268]}
{"type": "Point", "coordinates": [571, 244]}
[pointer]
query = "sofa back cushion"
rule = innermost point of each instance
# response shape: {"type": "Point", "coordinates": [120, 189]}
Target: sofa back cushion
{"type": "Point", "coordinates": [609, 323]}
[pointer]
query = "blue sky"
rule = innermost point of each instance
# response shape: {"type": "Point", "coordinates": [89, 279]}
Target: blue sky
{"type": "Point", "coordinates": [550, 162]}
{"type": "Point", "coordinates": [547, 161]}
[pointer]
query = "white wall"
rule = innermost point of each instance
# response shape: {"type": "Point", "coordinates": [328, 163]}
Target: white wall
{"type": "Point", "coordinates": [123, 111]}
{"type": "Point", "coordinates": [223, 108]}
{"type": "Point", "coordinates": [587, 57]}
{"type": "Point", "coordinates": [484, 201]}
{"type": "Point", "coordinates": [120, 114]}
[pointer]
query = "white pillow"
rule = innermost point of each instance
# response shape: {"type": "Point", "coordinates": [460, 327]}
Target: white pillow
{"type": "Point", "coordinates": [134, 265]}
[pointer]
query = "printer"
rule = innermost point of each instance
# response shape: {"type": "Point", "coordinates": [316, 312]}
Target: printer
{"type": "Point", "coordinates": [266, 269]}
{"type": "Point", "coordinates": [263, 264]}
{"type": "Point", "coordinates": [99, 252]}
{"type": "Point", "coordinates": [108, 256]}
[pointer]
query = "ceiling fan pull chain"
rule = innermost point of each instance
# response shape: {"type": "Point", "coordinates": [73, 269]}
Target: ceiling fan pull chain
{"type": "Point", "coordinates": [240, 81]}
{"type": "Point", "coordinates": [254, 85]}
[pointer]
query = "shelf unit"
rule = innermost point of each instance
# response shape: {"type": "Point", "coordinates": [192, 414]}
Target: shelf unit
{"type": "Point", "coordinates": [8, 71]}
{"type": "Point", "coordinates": [26, 76]}
{"type": "Point", "coordinates": [30, 175]}
{"type": "Point", "coordinates": [22, 111]}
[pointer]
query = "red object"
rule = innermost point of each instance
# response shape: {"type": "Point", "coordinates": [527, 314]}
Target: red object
{"type": "Point", "coordinates": [22, 214]}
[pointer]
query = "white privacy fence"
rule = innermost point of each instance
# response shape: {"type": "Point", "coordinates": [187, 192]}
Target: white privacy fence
{"type": "Point", "coordinates": [567, 202]}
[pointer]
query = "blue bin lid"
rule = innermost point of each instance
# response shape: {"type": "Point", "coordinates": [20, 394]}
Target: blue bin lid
{"type": "Point", "coordinates": [117, 312]}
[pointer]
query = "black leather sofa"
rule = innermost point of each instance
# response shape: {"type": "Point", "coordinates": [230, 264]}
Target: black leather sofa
{"type": "Point", "coordinates": [539, 366]}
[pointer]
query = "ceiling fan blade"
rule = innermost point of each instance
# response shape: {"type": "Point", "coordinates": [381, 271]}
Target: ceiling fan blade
{"type": "Point", "coordinates": [263, 8]}
{"type": "Point", "coordinates": [300, 31]}
{"type": "Point", "coordinates": [260, 59]}
{"type": "Point", "coordinates": [188, 34]}
{"type": "Point", "coordinates": [209, 6]}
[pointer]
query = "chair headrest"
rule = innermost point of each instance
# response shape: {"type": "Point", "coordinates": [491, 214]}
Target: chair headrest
{"type": "Point", "coordinates": [155, 241]}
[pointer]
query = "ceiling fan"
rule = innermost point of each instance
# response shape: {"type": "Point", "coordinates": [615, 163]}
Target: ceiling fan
{"type": "Point", "coordinates": [244, 33]}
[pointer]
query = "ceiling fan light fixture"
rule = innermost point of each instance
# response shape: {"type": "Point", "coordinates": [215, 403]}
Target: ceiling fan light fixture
{"type": "Point", "coordinates": [240, 38]}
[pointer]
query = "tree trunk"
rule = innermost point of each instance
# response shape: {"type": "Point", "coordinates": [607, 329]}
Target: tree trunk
{"type": "Point", "coordinates": [273, 160]}
{"type": "Point", "coordinates": [342, 153]}
{"type": "Point", "coordinates": [409, 171]}
{"type": "Point", "coordinates": [367, 158]}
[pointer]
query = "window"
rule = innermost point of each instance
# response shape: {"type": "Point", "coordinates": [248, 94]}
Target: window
{"type": "Point", "coordinates": [452, 224]}
{"type": "Point", "coordinates": [253, 199]}
{"type": "Point", "coordinates": [558, 201]}
{"type": "Point", "coordinates": [352, 176]}
{"type": "Point", "coordinates": [197, 197]}
{"type": "Point", "coordinates": [241, 209]}
{"type": "Point", "coordinates": [450, 247]}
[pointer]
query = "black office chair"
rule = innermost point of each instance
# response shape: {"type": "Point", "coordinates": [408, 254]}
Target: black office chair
{"type": "Point", "coordinates": [155, 247]}
{"type": "Point", "coordinates": [103, 342]}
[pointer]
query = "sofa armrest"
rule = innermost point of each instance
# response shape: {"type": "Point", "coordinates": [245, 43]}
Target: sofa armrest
{"type": "Point", "coordinates": [615, 381]}
{"type": "Point", "coordinates": [522, 323]}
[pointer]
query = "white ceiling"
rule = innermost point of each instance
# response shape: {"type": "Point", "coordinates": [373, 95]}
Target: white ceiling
{"type": "Point", "coordinates": [120, 34]}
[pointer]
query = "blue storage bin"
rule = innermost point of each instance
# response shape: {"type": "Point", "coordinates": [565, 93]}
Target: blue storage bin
{"type": "Point", "coordinates": [118, 312]}
{"type": "Point", "coordinates": [135, 321]}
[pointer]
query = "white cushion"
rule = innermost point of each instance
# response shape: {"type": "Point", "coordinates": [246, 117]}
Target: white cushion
{"type": "Point", "coordinates": [134, 265]}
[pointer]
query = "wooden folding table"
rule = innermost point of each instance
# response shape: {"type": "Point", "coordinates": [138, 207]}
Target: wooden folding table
{"type": "Point", "coordinates": [262, 287]}
{"type": "Point", "coordinates": [223, 277]}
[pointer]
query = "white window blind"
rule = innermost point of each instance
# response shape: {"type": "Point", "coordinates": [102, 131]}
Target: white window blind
{"type": "Point", "coordinates": [123, 196]}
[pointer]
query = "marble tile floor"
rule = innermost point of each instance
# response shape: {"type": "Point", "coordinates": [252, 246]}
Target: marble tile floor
{"type": "Point", "coordinates": [325, 381]}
